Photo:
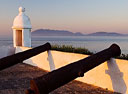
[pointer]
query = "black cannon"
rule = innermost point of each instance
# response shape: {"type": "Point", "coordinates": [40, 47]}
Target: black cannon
{"type": "Point", "coordinates": [21, 56]}
{"type": "Point", "coordinates": [52, 80]}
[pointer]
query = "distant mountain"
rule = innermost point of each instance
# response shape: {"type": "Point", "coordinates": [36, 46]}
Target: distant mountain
{"type": "Point", "coordinates": [105, 34]}
{"type": "Point", "coordinates": [48, 32]}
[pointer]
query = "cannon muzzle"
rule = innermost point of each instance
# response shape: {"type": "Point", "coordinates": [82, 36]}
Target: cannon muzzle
{"type": "Point", "coordinates": [21, 56]}
{"type": "Point", "coordinates": [63, 75]}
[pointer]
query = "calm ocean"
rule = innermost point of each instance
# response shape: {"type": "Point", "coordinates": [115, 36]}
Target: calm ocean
{"type": "Point", "coordinates": [93, 43]}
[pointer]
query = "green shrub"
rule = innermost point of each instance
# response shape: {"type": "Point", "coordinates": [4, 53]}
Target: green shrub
{"type": "Point", "coordinates": [69, 48]}
{"type": "Point", "coordinates": [123, 56]}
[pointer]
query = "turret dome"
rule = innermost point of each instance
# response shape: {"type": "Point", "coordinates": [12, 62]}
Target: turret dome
{"type": "Point", "coordinates": [22, 20]}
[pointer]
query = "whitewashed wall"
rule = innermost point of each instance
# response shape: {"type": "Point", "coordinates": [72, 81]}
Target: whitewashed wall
{"type": "Point", "coordinates": [111, 75]}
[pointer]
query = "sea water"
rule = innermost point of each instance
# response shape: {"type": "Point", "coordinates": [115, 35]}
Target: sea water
{"type": "Point", "coordinates": [93, 43]}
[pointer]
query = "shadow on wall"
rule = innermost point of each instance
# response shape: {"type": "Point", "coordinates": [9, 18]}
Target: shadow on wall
{"type": "Point", "coordinates": [30, 62]}
{"type": "Point", "coordinates": [116, 76]}
{"type": "Point", "coordinates": [27, 61]}
{"type": "Point", "coordinates": [51, 61]}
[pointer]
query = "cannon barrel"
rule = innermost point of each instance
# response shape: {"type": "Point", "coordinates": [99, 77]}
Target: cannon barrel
{"type": "Point", "coordinates": [21, 56]}
{"type": "Point", "coordinates": [52, 80]}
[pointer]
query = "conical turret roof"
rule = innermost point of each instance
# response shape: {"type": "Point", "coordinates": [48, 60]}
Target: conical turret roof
{"type": "Point", "coordinates": [22, 20]}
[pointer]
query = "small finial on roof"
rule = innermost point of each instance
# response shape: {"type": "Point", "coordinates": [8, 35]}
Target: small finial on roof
{"type": "Point", "coordinates": [21, 9]}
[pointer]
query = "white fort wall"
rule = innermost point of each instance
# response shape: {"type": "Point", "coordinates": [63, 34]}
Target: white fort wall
{"type": "Point", "coordinates": [112, 75]}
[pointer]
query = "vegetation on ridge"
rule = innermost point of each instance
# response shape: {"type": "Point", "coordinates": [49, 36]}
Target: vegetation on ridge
{"type": "Point", "coordinates": [69, 48]}
{"type": "Point", "coordinates": [123, 56]}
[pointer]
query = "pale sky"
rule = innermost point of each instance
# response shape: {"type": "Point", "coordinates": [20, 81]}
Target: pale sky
{"type": "Point", "coordinates": [84, 16]}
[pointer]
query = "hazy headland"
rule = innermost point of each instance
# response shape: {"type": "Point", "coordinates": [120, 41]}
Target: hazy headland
{"type": "Point", "coordinates": [50, 32]}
